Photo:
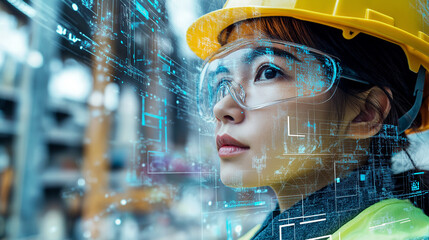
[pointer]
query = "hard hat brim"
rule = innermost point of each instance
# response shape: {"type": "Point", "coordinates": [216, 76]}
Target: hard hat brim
{"type": "Point", "coordinates": [202, 35]}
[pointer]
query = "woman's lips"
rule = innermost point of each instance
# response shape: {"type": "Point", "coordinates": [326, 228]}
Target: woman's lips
{"type": "Point", "coordinates": [229, 151]}
{"type": "Point", "coordinates": [227, 146]}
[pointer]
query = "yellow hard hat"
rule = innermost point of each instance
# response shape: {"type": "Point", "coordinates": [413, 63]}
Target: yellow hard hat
{"type": "Point", "coordinates": [402, 22]}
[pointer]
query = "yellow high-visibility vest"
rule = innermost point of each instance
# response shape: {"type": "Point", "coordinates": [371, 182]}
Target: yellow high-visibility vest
{"type": "Point", "coordinates": [387, 219]}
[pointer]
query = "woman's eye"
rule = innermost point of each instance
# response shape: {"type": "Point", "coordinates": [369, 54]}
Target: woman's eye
{"type": "Point", "coordinates": [269, 72]}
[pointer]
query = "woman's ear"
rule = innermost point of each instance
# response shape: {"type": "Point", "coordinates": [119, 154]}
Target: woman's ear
{"type": "Point", "coordinates": [372, 111]}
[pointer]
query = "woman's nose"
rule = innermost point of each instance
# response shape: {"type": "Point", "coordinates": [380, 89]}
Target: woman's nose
{"type": "Point", "coordinates": [228, 111]}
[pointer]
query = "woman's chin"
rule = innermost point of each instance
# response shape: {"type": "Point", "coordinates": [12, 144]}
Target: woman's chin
{"type": "Point", "coordinates": [239, 178]}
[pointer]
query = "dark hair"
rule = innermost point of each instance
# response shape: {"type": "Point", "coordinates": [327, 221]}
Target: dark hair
{"type": "Point", "coordinates": [377, 61]}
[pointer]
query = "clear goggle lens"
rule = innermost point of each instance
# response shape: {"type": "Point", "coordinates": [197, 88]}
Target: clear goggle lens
{"type": "Point", "coordinates": [260, 73]}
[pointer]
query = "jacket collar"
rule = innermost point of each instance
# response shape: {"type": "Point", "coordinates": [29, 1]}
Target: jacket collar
{"type": "Point", "coordinates": [326, 210]}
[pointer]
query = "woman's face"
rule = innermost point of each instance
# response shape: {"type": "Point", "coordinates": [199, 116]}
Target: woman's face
{"type": "Point", "coordinates": [290, 142]}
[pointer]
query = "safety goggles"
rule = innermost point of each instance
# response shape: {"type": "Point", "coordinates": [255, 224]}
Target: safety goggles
{"type": "Point", "coordinates": [263, 72]}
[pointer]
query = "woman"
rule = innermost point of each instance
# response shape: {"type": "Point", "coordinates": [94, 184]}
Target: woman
{"type": "Point", "coordinates": [312, 99]}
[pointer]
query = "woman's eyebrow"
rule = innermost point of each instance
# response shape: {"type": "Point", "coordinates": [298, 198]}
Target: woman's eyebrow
{"type": "Point", "coordinates": [261, 51]}
{"type": "Point", "coordinates": [220, 69]}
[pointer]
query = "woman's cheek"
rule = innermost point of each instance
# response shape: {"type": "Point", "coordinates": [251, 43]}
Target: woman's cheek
{"type": "Point", "coordinates": [291, 144]}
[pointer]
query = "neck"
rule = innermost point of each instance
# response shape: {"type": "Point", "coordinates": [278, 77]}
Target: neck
{"type": "Point", "coordinates": [288, 193]}
{"type": "Point", "coordinates": [304, 183]}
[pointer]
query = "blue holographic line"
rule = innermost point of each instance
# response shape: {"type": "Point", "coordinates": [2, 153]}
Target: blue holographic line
{"type": "Point", "coordinates": [142, 10]}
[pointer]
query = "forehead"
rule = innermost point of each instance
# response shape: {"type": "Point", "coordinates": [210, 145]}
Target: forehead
{"type": "Point", "coordinates": [234, 59]}
{"type": "Point", "coordinates": [246, 30]}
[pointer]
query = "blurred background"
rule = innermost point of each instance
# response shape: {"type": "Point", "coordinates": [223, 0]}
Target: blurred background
{"type": "Point", "coordinates": [99, 132]}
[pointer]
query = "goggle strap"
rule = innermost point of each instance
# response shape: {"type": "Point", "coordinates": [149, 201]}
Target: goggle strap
{"type": "Point", "coordinates": [407, 119]}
